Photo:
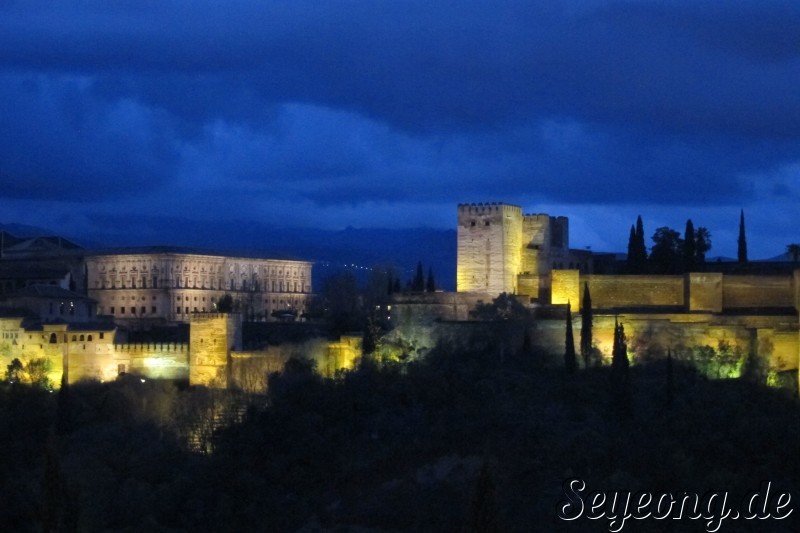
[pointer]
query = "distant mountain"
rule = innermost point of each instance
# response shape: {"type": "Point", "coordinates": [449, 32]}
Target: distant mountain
{"type": "Point", "coordinates": [354, 249]}
{"type": "Point", "coordinates": [23, 230]}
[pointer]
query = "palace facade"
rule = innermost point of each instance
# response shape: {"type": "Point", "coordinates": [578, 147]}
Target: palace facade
{"type": "Point", "coordinates": [156, 285]}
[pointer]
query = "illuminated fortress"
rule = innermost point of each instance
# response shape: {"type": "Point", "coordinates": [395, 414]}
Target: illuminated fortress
{"type": "Point", "coordinates": [501, 250]}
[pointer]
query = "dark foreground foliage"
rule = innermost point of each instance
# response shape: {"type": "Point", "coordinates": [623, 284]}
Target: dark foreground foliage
{"type": "Point", "coordinates": [458, 442]}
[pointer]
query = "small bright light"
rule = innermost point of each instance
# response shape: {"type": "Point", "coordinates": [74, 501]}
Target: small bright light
{"type": "Point", "coordinates": [142, 380]}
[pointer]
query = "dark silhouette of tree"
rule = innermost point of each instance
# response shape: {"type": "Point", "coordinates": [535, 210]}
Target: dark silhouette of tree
{"type": "Point", "coordinates": [586, 326]}
{"type": "Point", "coordinates": [689, 248]}
{"type": "Point", "coordinates": [64, 407]}
{"type": "Point", "coordinates": [619, 352]}
{"type": "Point", "coordinates": [396, 286]}
{"type": "Point", "coordinates": [15, 371]}
{"type": "Point", "coordinates": [742, 254]}
{"type": "Point", "coordinates": [641, 249]}
{"type": "Point", "coordinates": [667, 251]}
{"type": "Point", "coordinates": [620, 375]}
{"type": "Point", "coordinates": [637, 251]}
{"type": "Point", "coordinates": [370, 340]}
{"type": "Point", "coordinates": [225, 304]}
{"type": "Point", "coordinates": [418, 285]}
{"type": "Point", "coordinates": [702, 240]}
{"type": "Point", "coordinates": [484, 512]}
{"type": "Point", "coordinates": [504, 307]}
{"type": "Point", "coordinates": [430, 285]}
{"type": "Point", "coordinates": [632, 250]}
{"type": "Point", "coordinates": [670, 393]}
{"type": "Point", "coordinates": [570, 361]}
{"type": "Point", "coordinates": [793, 250]}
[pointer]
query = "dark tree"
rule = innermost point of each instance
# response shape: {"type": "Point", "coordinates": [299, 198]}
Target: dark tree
{"type": "Point", "coordinates": [702, 244]}
{"type": "Point", "coordinates": [670, 381]}
{"type": "Point", "coordinates": [667, 251]}
{"type": "Point", "coordinates": [586, 326]}
{"type": "Point", "coordinates": [430, 285]}
{"type": "Point", "coordinates": [504, 307]}
{"type": "Point", "coordinates": [418, 285]}
{"type": "Point", "coordinates": [483, 512]}
{"type": "Point", "coordinates": [570, 361]}
{"type": "Point", "coordinates": [742, 240]}
{"type": "Point", "coordinates": [64, 407]}
{"type": "Point", "coordinates": [619, 352]}
{"type": "Point", "coordinates": [396, 286]}
{"type": "Point", "coordinates": [632, 251]}
{"type": "Point", "coordinates": [370, 339]}
{"type": "Point", "coordinates": [689, 247]}
{"type": "Point", "coordinates": [620, 378]}
{"type": "Point", "coordinates": [225, 304]}
{"type": "Point", "coordinates": [641, 249]}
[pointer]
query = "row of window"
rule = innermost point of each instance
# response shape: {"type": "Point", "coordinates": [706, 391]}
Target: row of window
{"type": "Point", "coordinates": [187, 283]}
{"type": "Point", "coordinates": [75, 338]}
{"type": "Point", "coordinates": [142, 310]}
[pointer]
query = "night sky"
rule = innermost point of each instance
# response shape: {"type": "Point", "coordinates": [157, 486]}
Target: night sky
{"type": "Point", "coordinates": [154, 117]}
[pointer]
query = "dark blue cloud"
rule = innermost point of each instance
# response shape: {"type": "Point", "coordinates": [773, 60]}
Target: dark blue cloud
{"type": "Point", "coordinates": [232, 110]}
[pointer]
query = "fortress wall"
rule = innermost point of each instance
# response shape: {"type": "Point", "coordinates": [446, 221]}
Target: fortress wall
{"type": "Point", "coordinates": [489, 247]}
{"type": "Point", "coordinates": [609, 292]}
{"type": "Point", "coordinates": [757, 291]}
{"type": "Point", "coordinates": [565, 288]}
{"type": "Point", "coordinates": [212, 337]}
{"type": "Point", "coordinates": [250, 370]}
{"type": "Point", "coordinates": [705, 292]}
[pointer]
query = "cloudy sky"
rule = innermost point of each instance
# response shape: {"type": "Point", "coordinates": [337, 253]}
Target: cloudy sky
{"type": "Point", "coordinates": [145, 116]}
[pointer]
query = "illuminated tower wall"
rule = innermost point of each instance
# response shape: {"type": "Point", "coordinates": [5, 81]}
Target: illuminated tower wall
{"type": "Point", "coordinates": [489, 248]}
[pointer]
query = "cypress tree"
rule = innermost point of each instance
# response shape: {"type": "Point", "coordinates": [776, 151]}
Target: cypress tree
{"type": "Point", "coordinates": [586, 326]}
{"type": "Point", "coordinates": [430, 285]}
{"type": "Point", "coordinates": [689, 247]}
{"type": "Point", "coordinates": [619, 353]}
{"type": "Point", "coordinates": [670, 381]}
{"type": "Point", "coordinates": [620, 379]}
{"type": "Point", "coordinates": [570, 361]}
{"type": "Point", "coordinates": [641, 249]}
{"type": "Point", "coordinates": [418, 284]}
{"type": "Point", "coordinates": [742, 240]}
{"type": "Point", "coordinates": [484, 514]}
{"type": "Point", "coordinates": [632, 250]}
{"type": "Point", "coordinates": [702, 239]}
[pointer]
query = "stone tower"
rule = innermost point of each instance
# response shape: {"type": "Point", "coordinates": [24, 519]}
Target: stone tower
{"type": "Point", "coordinates": [212, 337]}
{"type": "Point", "coordinates": [489, 248]}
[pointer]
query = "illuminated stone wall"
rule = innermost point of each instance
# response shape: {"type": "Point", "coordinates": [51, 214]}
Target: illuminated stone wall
{"type": "Point", "coordinates": [705, 292]}
{"type": "Point", "coordinates": [158, 287]}
{"type": "Point", "coordinates": [757, 291]}
{"type": "Point", "coordinates": [566, 287]}
{"type": "Point", "coordinates": [634, 291]}
{"type": "Point", "coordinates": [489, 248]}
{"type": "Point", "coordinates": [212, 338]}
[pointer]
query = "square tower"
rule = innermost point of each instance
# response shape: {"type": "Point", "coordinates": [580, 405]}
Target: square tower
{"type": "Point", "coordinates": [489, 248]}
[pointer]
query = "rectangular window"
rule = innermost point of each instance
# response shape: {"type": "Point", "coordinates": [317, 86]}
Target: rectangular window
{"type": "Point", "coordinates": [102, 334]}
{"type": "Point", "coordinates": [178, 310]}
{"type": "Point", "coordinates": [112, 309]}
{"type": "Point", "coordinates": [153, 310]}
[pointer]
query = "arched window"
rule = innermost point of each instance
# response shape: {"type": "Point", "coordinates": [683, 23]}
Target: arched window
{"type": "Point", "coordinates": [53, 338]}
{"type": "Point", "coordinates": [81, 338]}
